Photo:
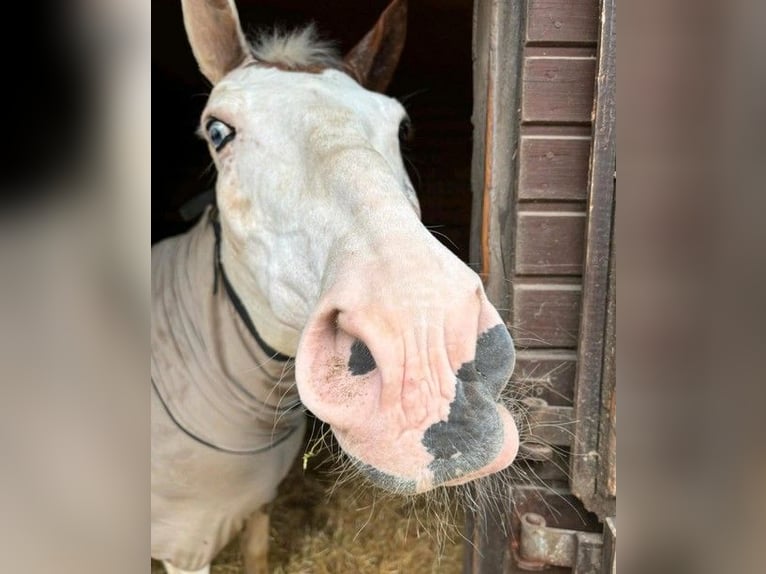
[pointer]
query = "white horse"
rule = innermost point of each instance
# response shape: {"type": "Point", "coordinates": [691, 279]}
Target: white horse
{"type": "Point", "coordinates": [315, 251]}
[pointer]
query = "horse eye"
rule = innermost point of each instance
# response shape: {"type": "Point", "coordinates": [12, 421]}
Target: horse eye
{"type": "Point", "coordinates": [219, 133]}
{"type": "Point", "coordinates": [405, 131]}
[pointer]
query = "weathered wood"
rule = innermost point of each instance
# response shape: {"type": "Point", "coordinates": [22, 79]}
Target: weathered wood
{"type": "Point", "coordinates": [562, 21]}
{"type": "Point", "coordinates": [557, 89]}
{"type": "Point", "coordinates": [553, 168]}
{"type": "Point", "coordinates": [545, 314]}
{"type": "Point", "coordinates": [549, 242]}
{"type": "Point", "coordinates": [498, 36]}
{"type": "Point", "coordinates": [588, 381]}
{"type": "Point", "coordinates": [486, 550]}
{"type": "Point", "coordinates": [546, 374]}
{"type": "Point", "coordinates": [530, 251]}
{"type": "Point", "coordinates": [552, 471]}
{"type": "Point", "coordinates": [497, 51]}
{"type": "Point", "coordinates": [607, 441]}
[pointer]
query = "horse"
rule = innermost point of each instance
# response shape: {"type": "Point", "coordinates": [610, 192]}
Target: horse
{"type": "Point", "coordinates": [311, 284]}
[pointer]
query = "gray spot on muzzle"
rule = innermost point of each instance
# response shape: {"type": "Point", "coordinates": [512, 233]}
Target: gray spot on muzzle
{"type": "Point", "coordinates": [473, 434]}
{"type": "Point", "coordinates": [495, 358]}
{"type": "Point", "coordinates": [360, 362]}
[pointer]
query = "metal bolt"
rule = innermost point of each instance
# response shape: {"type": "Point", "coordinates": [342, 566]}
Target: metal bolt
{"type": "Point", "coordinates": [533, 519]}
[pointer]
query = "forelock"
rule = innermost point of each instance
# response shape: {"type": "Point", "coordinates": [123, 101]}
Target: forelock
{"type": "Point", "coordinates": [296, 49]}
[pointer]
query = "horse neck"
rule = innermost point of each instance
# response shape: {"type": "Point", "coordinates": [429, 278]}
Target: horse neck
{"type": "Point", "coordinates": [214, 339]}
{"type": "Point", "coordinates": [278, 336]}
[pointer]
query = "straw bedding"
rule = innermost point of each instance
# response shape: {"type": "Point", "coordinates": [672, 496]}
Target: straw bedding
{"type": "Point", "coordinates": [320, 525]}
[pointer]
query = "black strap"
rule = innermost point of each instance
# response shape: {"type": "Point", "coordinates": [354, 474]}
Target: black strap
{"type": "Point", "coordinates": [290, 430]}
{"type": "Point", "coordinates": [236, 301]}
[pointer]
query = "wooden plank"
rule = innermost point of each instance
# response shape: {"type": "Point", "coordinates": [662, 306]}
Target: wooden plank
{"type": "Point", "coordinates": [497, 56]}
{"type": "Point", "coordinates": [557, 89]}
{"type": "Point", "coordinates": [560, 52]}
{"type": "Point", "coordinates": [498, 38]}
{"type": "Point", "coordinates": [552, 207]}
{"type": "Point", "coordinates": [588, 381]}
{"type": "Point", "coordinates": [550, 242]}
{"type": "Point", "coordinates": [562, 21]}
{"type": "Point", "coordinates": [607, 440]}
{"type": "Point", "coordinates": [560, 131]}
{"type": "Point", "coordinates": [545, 314]}
{"type": "Point", "coordinates": [545, 374]}
{"type": "Point", "coordinates": [553, 470]}
{"type": "Point", "coordinates": [486, 546]}
{"type": "Point", "coordinates": [553, 168]}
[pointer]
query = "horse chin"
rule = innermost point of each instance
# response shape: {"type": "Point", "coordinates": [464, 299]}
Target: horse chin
{"type": "Point", "coordinates": [504, 458]}
{"type": "Point", "coordinates": [399, 467]}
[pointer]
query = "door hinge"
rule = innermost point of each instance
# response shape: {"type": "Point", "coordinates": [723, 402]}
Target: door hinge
{"type": "Point", "coordinates": [541, 546]}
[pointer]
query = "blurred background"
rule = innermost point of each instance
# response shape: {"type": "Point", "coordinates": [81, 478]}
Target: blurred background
{"type": "Point", "coordinates": [74, 287]}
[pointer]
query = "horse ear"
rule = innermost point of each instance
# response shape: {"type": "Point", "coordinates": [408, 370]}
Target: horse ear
{"type": "Point", "coordinates": [215, 35]}
{"type": "Point", "coordinates": [373, 60]}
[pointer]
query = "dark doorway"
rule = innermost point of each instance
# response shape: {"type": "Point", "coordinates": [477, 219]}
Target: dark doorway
{"type": "Point", "coordinates": [433, 81]}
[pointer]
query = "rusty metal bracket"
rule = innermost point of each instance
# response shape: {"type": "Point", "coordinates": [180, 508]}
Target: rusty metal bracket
{"type": "Point", "coordinates": [541, 546]}
{"type": "Point", "coordinates": [546, 426]}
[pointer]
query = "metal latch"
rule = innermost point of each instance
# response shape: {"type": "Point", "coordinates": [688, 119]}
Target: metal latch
{"type": "Point", "coordinates": [541, 546]}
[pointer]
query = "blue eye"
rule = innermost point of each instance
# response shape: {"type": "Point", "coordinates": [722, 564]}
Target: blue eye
{"type": "Point", "coordinates": [219, 133]}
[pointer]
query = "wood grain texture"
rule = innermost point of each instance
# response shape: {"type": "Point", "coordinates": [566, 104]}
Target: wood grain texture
{"type": "Point", "coordinates": [562, 21]}
{"type": "Point", "coordinates": [557, 89]}
{"type": "Point", "coordinates": [535, 210]}
{"type": "Point", "coordinates": [553, 168]}
{"type": "Point", "coordinates": [498, 38]}
{"type": "Point", "coordinates": [546, 374]}
{"type": "Point", "coordinates": [497, 52]}
{"type": "Point", "coordinates": [607, 442]}
{"type": "Point", "coordinates": [550, 242]}
{"type": "Point", "coordinates": [546, 315]}
{"type": "Point", "coordinates": [591, 350]}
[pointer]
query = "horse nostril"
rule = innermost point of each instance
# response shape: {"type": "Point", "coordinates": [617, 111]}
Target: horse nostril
{"type": "Point", "coordinates": [361, 360]}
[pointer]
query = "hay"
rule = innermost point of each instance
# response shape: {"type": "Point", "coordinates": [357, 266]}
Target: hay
{"type": "Point", "coordinates": [320, 527]}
